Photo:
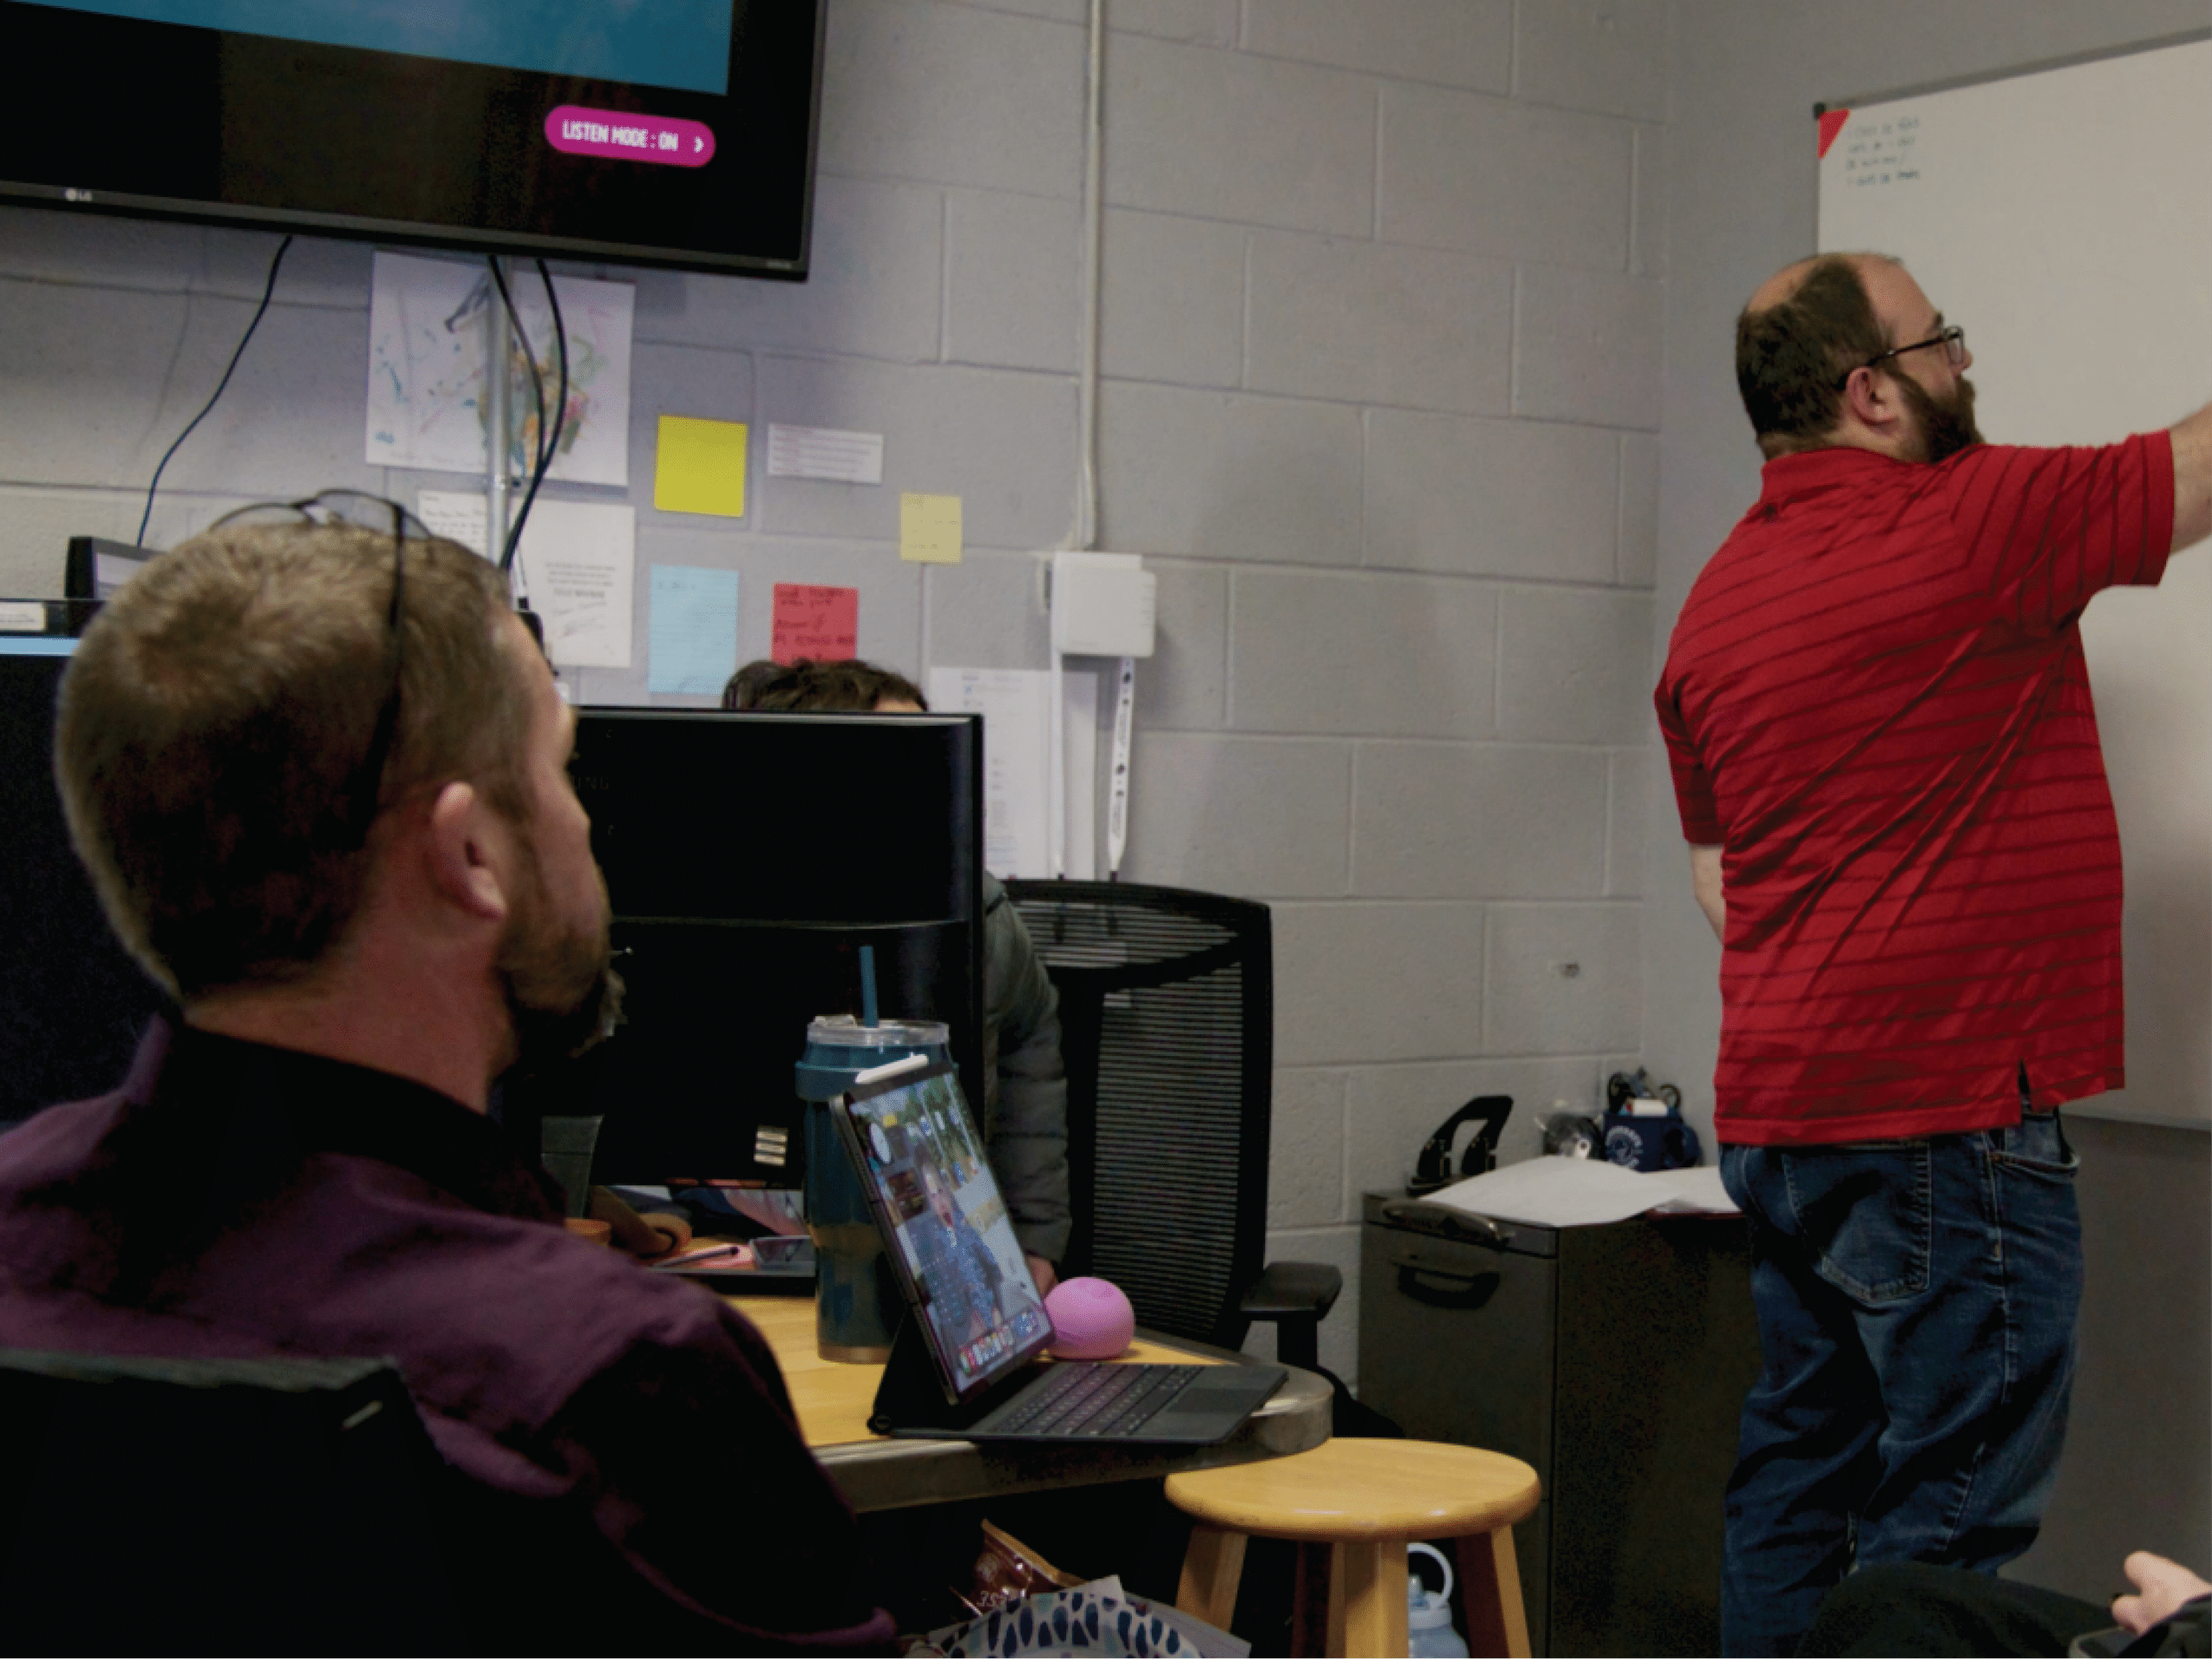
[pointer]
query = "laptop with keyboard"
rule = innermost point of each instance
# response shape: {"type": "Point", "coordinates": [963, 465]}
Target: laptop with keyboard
{"type": "Point", "coordinates": [966, 1364]}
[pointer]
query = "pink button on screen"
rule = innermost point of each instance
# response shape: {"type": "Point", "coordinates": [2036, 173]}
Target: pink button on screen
{"type": "Point", "coordinates": [626, 137]}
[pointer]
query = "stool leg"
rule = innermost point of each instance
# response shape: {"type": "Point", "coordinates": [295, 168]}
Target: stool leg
{"type": "Point", "coordinates": [1212, 1568]}
{"type": "Point", "coordinates": [1490, 1577]}
{"type": "Point", "coordinates": [1367, 1598]}
{"type": "Point", "coordinates": [1313, 1570]}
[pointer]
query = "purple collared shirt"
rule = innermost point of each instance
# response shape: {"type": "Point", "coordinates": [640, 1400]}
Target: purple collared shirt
{"type": "Point", "coordinates": [236, 1200]}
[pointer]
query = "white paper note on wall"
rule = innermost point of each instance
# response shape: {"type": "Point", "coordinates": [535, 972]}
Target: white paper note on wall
{"type": "Point", "coordinates": [577, 559]}
{"type": "Point", "coordinates": [1016, 705]}
{"type": "Point", "coordinates": [455, 514]}
{"type": "Point", "coordinates": [578, 565]}
{"type": "Point", "coordinates": [825, 452]}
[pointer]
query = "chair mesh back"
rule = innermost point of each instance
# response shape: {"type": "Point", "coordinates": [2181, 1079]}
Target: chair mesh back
{"type": "Point", "coordinates": [1165, 1014]}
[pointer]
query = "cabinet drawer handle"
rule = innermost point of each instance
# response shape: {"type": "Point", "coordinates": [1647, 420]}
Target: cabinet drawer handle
{"type": "Point", "coordinates": [1441, 1288]}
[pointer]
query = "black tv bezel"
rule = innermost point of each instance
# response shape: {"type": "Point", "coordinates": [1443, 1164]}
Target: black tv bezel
{"type": "Point", "coordinates": [466, 238]}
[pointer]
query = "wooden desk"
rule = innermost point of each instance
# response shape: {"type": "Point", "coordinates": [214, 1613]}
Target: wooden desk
{"type": "Point", "coordinates": [876, 1472]}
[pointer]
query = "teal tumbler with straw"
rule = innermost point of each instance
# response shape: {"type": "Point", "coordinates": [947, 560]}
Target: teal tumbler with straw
{"type": "Point", "coordinates": [856, 1306]}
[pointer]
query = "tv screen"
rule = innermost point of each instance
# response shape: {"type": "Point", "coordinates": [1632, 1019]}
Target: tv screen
{"type": "Point", "coordinates": [676, 132]}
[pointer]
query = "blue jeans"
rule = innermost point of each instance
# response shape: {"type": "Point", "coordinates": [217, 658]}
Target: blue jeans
{"type": "Point", "coordinates": [1916, 1302]}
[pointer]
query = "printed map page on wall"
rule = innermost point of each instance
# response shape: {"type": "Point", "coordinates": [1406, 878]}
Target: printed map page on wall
{"type": "Point", "coordinates": [426, 405]}
{"type": "Point", "coordinates": [2064, 218]}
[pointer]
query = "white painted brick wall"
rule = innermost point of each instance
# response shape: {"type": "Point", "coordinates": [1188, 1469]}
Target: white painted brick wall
{"type": "Point", "coordinates": [1527, 499]}
{"type": "Point", "coordinates": [1171, 300]}
{"type": "Point", "coordinates": [1381, 335]}
{"type": "Point", "coordinates": [1453, 42]}
{"type": "Point", "coordinates": [1506, 821]}
{"type": "Point", "coordinates": [1219, 475]}
{"type": "Point", "coordinates": [1221, 135]}
{"type": "Point", "coordinates": [1609, 55]}
{"type": "Point", "coordinates": [1372, 324]}
{"type": "Point", "coordinates": [1493, 176]}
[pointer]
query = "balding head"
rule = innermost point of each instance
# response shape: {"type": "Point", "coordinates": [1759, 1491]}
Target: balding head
{"type": "Point", "coordinates": [1785, 283]}
{"type": "Point", "coordinates": [1804, 330]}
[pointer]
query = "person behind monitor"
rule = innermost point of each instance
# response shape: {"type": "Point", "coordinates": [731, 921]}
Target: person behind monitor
{"type": "Point", "coordinates": [1025, 1089]}
{"type": "Point", "coordinates": [317, 772]}
{"type": "Point", "coordinates": [1878, 715]}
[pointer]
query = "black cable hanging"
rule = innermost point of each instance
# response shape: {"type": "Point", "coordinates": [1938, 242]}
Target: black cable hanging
{"type": "Point", "coordinates": [549, 440]}
{"type": "Point", "coordinates": [537, 380]}
{"type": "Point", "coordinates": [268, 289]}
{"type": "Point", "coordinates": [549, 431]}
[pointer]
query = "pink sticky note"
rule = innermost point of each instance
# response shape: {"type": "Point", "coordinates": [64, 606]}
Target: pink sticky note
{"type": "Point", "coordinates": [821, 623]}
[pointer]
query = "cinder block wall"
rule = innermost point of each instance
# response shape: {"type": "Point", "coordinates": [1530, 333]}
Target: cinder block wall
{"type": "Point", "coordinates": [1382, 330]}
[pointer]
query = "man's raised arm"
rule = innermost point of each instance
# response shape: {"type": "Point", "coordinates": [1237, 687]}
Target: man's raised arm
{"type": "Point", "coordinates": [2193, 478]}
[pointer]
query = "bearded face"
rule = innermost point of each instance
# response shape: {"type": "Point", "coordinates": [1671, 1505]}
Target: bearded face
{"type": "Point", "coordinates": [563, 996]}
{"type": "Point", "coordinates": [1946, 424]}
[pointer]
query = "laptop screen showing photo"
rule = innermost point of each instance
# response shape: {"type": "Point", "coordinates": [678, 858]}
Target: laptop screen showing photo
{"type": "Point", "coordinates": [945, 1225]}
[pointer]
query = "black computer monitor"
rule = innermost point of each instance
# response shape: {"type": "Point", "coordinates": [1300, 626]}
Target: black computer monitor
{"type": "Point", "coordinates": [748, 857]}
{"type": "Point", "coordinates": [72, 1002]}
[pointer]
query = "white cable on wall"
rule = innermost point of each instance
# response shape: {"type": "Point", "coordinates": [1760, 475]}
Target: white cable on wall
{"type": "Point", "coordinates": [1084, 533]}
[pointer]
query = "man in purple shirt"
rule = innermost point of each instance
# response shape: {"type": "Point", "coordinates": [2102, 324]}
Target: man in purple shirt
{"type": "Point", "coordinates": [317, 772]}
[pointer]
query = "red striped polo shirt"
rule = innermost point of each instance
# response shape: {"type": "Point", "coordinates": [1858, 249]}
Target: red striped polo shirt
{"type": "Point", "coordinates": [1875, 701]}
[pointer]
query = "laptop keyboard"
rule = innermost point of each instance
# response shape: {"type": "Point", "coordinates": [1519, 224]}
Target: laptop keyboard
{"type": "Point", "coordinates": [1094, 1399]}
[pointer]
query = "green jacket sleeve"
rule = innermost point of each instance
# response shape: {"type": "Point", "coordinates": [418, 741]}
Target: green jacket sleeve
{"type": "Point", "coordinates": [1025, 1105]}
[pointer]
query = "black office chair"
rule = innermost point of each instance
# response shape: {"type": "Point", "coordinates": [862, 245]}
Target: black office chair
{"type": "Point", "coordinates": [284, 1505]}
{"type": "Point", "coordinates": [1167, 1027]}
{"type": "Point", "coordinates": [241, 1506]}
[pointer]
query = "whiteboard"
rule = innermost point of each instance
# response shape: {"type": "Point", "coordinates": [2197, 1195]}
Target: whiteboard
{"type": "Point", "coordinates": [2064, 217]}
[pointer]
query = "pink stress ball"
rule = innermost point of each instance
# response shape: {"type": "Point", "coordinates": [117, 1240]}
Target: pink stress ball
{"type": "Point", "coordinates": [1092, 1320]}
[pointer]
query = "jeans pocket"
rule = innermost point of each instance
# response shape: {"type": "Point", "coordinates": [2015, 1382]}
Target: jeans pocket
{"type": "Point", "coordinates": [2035, 1145]}
{"type": "Point", "coordinates": [1865, 1212]}
{"type": "Point", "coordinates": [1734, 1180]}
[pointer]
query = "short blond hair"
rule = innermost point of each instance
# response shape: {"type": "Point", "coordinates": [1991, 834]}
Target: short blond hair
{"type": "Point", "coordinates": [216, 716]}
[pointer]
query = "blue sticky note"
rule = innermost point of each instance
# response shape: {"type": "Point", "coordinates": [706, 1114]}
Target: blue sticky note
{"type": "Point", "coordinates": [693, 630]}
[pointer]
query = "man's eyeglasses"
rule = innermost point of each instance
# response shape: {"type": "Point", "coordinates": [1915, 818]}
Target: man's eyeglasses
{"type": "Point", "coordinates": [1953, 340]}
{"type": "Point", "coordinates": [370, 512]}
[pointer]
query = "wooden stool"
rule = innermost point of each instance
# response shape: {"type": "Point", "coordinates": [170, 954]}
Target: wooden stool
{"type": "Point", "coordinates": [1361, 1500]}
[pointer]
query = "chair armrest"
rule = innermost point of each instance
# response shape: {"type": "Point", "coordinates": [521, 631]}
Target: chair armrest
{"type": "Point", "coordinates": [1294, 1296]}
{"type": "Point", "coordinates": [1292, 1290]}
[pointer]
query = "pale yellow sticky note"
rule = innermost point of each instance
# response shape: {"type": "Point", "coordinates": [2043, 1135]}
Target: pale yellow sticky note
{"type": "Point", "coordinates": [700, 467]}
{"type": "Point", "coordinates": [929, 528]}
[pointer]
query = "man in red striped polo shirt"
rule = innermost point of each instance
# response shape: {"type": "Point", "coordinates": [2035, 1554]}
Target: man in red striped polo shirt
{"type": "Point", "coordinates": [1885, 757]}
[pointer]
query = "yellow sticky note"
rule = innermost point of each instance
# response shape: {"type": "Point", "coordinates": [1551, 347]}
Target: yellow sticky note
{"type": "Point", "coordinates": [700, 467]}
{"type": "Point", "coordinates": [929, 528]}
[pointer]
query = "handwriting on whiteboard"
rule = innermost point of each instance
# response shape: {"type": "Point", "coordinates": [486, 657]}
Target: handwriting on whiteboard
{"type": "Point", "coordinates": [1876, 151]}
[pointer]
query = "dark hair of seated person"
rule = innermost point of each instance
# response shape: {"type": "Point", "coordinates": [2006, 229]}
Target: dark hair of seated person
{"type": "Point", "coordinates": [811, 687]}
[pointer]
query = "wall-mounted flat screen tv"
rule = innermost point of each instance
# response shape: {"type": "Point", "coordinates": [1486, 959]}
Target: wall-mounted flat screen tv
{"type": "Point", "coordinates": [673, 132]}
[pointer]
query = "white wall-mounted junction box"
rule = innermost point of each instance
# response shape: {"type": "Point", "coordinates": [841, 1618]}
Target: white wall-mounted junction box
{"type": "Point", "coordinates": [1102, 605]}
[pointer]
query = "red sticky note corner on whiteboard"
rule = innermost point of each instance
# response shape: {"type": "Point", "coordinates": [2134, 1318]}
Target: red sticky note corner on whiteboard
{"type": "Point", "coordinates": [823, 624]}
{"type": "Point", "coordinates": [1831, 123]}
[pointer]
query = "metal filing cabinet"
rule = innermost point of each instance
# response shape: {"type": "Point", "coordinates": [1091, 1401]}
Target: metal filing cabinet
{"type": "Point", "coordinates": [1615, 1360]}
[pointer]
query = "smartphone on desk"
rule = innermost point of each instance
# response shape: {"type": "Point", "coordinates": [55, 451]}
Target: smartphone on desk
{"type": "Point", "coordinates": [771, 1267]}
{"type": "Point", "coordinates": [791, 1254]}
